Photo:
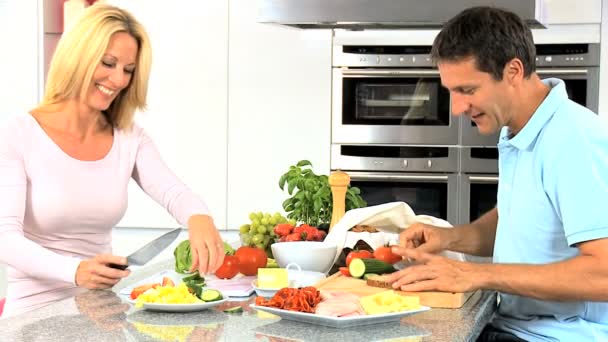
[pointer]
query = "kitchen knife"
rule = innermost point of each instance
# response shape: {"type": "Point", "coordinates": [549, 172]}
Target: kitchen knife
{"type": "Point", "coordinates": [149, 251]}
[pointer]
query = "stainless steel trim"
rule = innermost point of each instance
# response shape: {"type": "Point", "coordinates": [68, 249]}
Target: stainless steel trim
{"type": "Point", "coordinates": [562, 71]}
{"type": "Point", "coordinates": [400, 72]}
{"type": "Point", "coordinates": [447, 164]}
{"type": "Point", "coordinates": [361, 14]}
{"type": "Point", "coordinates": [400, 177]}
{"type": "Point", "coordinates": [484, 179]}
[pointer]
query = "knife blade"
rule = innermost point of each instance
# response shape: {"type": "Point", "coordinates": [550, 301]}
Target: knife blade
{"type": "Point", "coordinates": [150, 250]}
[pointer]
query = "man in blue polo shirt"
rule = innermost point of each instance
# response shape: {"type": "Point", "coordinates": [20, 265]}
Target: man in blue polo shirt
{"type": "Point", "coordinates": [548, 234]}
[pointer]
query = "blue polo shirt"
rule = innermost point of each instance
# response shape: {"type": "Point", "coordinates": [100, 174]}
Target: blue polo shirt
{"type": "Point", "coordinates": [552, 194]}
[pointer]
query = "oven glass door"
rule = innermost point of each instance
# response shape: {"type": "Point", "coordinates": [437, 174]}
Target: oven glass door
{"type": "Point", "coordinates": [385, 101]}
{"type": "Point", "coordinates": [581, 85]}
{"type": "Point", "coordinates": [478, 196]}
{"type": "Point", "coordinates": [390, 107]}
{"type": "Point", "coordinates": [426, 194]}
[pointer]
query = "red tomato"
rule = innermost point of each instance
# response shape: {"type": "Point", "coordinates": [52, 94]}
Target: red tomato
{"type": "Point", "coordinates": [250, 259]}
{"type": "Point", "coordinates": [345, 272]}
{"type": "Point", "coordinates": [385, 254]}
{"type": "Point", "coordinates": [293, 237]}
{"type": "Point", "coordinates": [283, 229]}
{"type": "Point", "coordinates": [358, 254]}
{"type": "Point", "coordinates": [229, 268]}
{"type": "Point", "coordinates": [168, 281]}
{"type": "Point", "coordinates": [141, 289]}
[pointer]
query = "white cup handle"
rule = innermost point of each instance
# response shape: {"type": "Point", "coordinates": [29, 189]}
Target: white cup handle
{"type": "Point", "coordinates": [296, 266]}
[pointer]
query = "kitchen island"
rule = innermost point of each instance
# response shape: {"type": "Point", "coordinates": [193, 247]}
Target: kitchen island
{"type": "Point", "coordinates": [104, 316]}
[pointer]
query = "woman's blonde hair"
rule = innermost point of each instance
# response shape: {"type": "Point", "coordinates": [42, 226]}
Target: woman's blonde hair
{"type": "Point", "coordinates": [80, 51]}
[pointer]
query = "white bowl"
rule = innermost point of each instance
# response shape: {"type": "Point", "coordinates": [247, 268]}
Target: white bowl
{"type": "Point", "coordinates": [309, 255]}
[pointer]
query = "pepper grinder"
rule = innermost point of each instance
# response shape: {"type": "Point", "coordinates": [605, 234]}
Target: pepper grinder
{"type": "Point", "coordinates": [339, 182]}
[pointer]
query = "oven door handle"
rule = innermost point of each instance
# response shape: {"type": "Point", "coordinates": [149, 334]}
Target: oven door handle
{"type": "Point", "coordinates": [558, 72]}
{"type": "Point", "coordinates": [397, 73]}
{"type": "Point", "coordinates": [484, 179]}
{"type": "Point", "coordinates": [380, 176]}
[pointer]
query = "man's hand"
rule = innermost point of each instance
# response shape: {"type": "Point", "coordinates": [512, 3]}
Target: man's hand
{"type": "Point", "coordinates": [206, 244]}
{"type": "Point", "coordinates": [424, 238]}
{"type": "Point", "coordinates": [432, 273]}
{"type": "Point", "coordinates": [95, 273]}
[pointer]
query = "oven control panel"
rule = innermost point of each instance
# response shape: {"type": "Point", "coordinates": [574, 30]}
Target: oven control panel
{"type": "Point", "coordinates": [547, 55]}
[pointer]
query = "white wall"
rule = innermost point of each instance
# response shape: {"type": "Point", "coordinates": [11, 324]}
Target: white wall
{"type": "Point", "coordinates": [279, 89]}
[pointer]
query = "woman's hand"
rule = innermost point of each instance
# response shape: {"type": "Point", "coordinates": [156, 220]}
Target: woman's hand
{"type": "Point", "coordinates": [206, 244]}
{"type": "Point", "coordinates": [424, 237]}
{"type": "Point", "coordinates": [95, 274]}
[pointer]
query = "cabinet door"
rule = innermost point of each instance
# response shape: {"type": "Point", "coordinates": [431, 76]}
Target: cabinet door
{"type": "Point", "coordinates": [20, 40]}
{"type": "Point", "coordinates": [572, 11]}
{"type": "Point", "coordinates": [187, 102]}
{"type": "Point", "coordinates": [279, 108]}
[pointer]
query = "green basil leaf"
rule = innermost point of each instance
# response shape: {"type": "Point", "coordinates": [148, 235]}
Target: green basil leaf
{"type": "Point", "coordinates": [282, 181]}
{"type": "Point", "coordinates": [304, 163]}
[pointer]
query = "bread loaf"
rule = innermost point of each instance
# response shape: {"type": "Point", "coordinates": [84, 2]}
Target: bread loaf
{"type": "Point", "coordinates": [379, 281]}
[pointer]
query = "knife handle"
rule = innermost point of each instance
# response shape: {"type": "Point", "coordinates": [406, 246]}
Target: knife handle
{"type": "Point", "coordinates": [120, 267]}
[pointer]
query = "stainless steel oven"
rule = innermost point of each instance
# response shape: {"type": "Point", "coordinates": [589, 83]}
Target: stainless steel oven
{"type": "Point", "coordinates": [426, 178]}
{"type": "Point", "coordinates": [478, 182]}
{"type": "Point", "coordinates": [389, 95]}
{"type": "Point", "coordinates": [576, 64]}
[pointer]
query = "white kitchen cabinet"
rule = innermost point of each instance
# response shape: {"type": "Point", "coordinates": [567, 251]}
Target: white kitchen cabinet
{"type": "Point", "coordinates": [187, 102]}
{"type": "Point", "coordinates": [279, 88]}
{"type": "Point", "coordinates": [572, 11]}
{"type": "Point", "coordinates": [20, 39]}
{"type": "Point", "coordinates": [19, 65]}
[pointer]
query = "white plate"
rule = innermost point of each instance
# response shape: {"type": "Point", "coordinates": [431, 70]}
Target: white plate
{"type": "Point", "coordinates": [239, 286]}
{"type": "Point", "coordinates": [267, 292]}
{"type": "Point", "coordinates": [182, 307]}
{"type": "Point", "coordinates": [338, 322]}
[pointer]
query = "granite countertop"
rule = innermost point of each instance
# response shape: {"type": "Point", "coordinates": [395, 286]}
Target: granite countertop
{"type": "Point", "coordinates": [104, 316]}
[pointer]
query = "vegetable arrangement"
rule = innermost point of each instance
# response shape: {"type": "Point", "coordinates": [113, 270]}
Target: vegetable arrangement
{"type": "Point", "coordinates": [304, 232]}
{"type": "Point", "coordinates": [379, 261]}
{"type": "Point", "coordinates": [245, 260]}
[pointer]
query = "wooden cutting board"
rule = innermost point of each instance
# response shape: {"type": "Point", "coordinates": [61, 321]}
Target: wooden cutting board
{"type": "Point", "coordinates": [339, 282]}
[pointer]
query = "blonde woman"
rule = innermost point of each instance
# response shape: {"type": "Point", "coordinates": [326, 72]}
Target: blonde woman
{"type": "Point", "coordinates": [65, 166]}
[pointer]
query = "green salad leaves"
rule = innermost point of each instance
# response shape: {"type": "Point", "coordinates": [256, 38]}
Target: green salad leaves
{"type": "Point", "coordinates": [183, 256]}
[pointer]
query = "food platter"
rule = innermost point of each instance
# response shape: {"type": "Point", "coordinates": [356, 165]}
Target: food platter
{"type": "Point", "coordinates": [339, 322]}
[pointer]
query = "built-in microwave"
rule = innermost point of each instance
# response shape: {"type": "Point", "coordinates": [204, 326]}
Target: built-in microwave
{"type": "Point", "coordinates": [389, 95]}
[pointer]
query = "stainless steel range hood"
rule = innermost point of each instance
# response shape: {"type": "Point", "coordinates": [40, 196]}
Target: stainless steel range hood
{"type": "Point", "coordinates": [383, 14]}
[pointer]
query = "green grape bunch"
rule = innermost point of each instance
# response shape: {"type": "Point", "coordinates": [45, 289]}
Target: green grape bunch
{"type": "Point", "coordinates": [260, 232]}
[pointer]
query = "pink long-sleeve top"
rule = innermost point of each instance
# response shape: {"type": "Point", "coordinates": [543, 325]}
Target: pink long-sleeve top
{"type": "Point", "coordinates": [56, 210]}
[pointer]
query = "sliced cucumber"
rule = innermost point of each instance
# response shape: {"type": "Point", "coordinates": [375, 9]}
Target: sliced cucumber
{"type": "Point", "coordinates": [359, 267]}
{"type": "Point", "coordinates": [194, 277]}
{"type": "Point", "coordinates": [236, 309]}
{"type": "Point", "coordinates": [369, 275]}
{"type": "Point", "coordinates": [211, 295]}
